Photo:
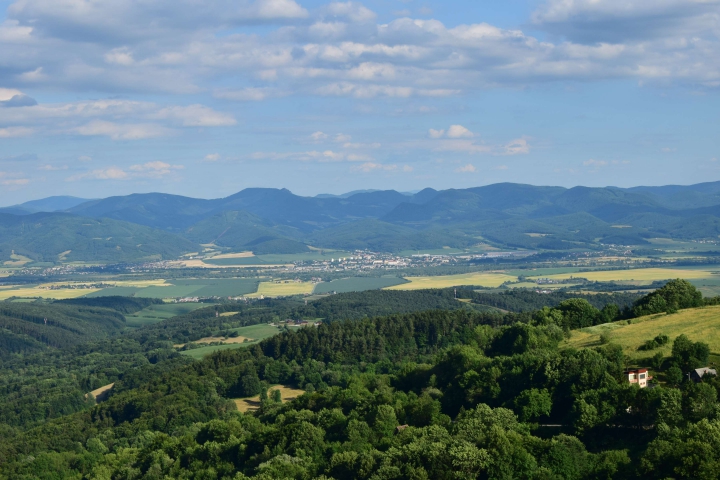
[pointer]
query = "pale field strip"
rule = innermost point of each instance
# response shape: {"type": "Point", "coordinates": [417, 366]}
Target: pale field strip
{"type": "Point", "coordinates": [482, 279]}
{"type": "Point", "coordinates": [636, 274]}
{"type": "Point", "coordinates": [223, 340]}
{"type": "Point", "coordinates": [99, 393]}
{"type": "Point", "coordinates": [63, 294]}
{"type": "Point", "coordinates": [228, 314]}
{"type": "Point", "coordinates": [197, 263]}
{"type": "Point", "coordinates": [234, 255]}
{"type": "Point", "coordinates": [272, 289]}
{"type": "Point", "coordinates": [253, 403]}
{"type": "Point", "coordinates": [700, 325]}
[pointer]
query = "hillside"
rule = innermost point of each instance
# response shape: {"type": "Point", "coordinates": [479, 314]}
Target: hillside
{"type": "Point", "coordinates": [61, 236]}
{"type": "Point", "coordinates": [699, 324]}
{"type": "Point", "coordinates": [271, 220]}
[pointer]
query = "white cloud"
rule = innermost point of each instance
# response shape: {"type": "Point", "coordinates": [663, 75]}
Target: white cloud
{"type": "Point", "coordinates": [52, 168]}
{"type": "Point", "coordinates": [151, 170]}
{"type": "Point", "coordinates": [317, 136]}
{"type": "Point", "coordinates": [518, 146]}
{"type": "Point", "coordinates": [353, 11]}
{"type": "Point", "coordinates": [85, 158]}
{"type": "Point", "coordinates": [369, 167]}
{"type": "Point", "coordinates": [120, 56]}
{"type": "Point", "coordinates": [342, 138]}
{"type": "Point", "coordinates": [121, 131]}
{"type": "Point", "coordinates": [469, 168]}
{"type": "Point", "coordinates": [110, 173]}
{"type": "Point", "coordinates": [14, 132]}
{"type": "Point", "coordinates": [195, 116]}
{"type": "Point", "coordinates": [458, 131]}
{"type": "Point", "coordinates": [8, 93]}
{"type": "Point", "coordinates": [436, 133]}
{"type": "Point", "coordinates": [595, 163]}
{"type": "Point", "coordinates": [212, 157]}
{"type": "Point", "coordinates": [407, 168]}
{"type": "Point", "coordinates": [13, 179]}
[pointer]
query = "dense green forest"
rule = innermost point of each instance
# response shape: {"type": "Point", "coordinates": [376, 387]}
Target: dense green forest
{"type": "Point", "coordinates": [428, 393]}
{"type": "Point", "coordinates": [159, 226]}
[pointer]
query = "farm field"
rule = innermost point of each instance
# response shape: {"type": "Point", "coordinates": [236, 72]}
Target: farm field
{"type": "Point", "coordinates": [158, 313]}
{"type": "Point", "coordinates": [275, 259]}
{"type": "Point", "coordinates": [444, 281]}
{"type": "Point", "coordinates": [203, 287]}
{"type": "Point", "coordinates": [701, 324]}
{"type": "Point", "coordinates": [357, 284]}
{"type": "Point", "coordinates": [39, 291]}
{"type": "Point", "coordinates": [253, 403]}
{"type": "Point", "coordinates": [634, 275]}
{"type": "Point", "coordinates": [285, 288]}
{"type": "Point", "coordinates": [254, 332]}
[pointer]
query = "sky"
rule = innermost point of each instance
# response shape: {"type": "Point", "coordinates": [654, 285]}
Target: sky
{"type": "Point", "coordinates": [207, 97]}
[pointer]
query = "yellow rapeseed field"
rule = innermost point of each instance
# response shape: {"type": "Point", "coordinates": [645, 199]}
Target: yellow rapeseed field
{"type": "Point", "coordinates": [283, 289]}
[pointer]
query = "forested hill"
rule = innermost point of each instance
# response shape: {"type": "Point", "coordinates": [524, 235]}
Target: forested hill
{"type": "Point", "coordinates": [55, 237]}
{"type": "Point", "coordinates": [509, 215]}
{"type": "Point", "coordinates": [31, 327]}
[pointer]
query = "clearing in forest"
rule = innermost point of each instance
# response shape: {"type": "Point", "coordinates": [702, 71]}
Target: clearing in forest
{"type": "Point", "coordinates": [253, 403]}
{"type": "Point", "coordinates": [699, 324]}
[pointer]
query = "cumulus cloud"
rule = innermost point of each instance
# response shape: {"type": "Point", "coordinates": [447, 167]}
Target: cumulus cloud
{"type": "Point", "coordinates": [13, 179]}
{"type": "Point", "coordinates": [212, 157]}
{"type": "Point", "coordinates": [52, 168]}
{"type": "Point", "coordinates": [121, 131]}
{"type": "Point", "coordinates": [469, 168]}
{"type": "Point", "coordinates": [595, 163]}
{"type": "Point", "coordinates": [369, 167]}
{"type": "Point", "coordinates": [13, 132]}
{"type": "Point", "coordinates": [117, 119]}
{"type": "Point", "coordinates": [458, 138]}
{"type": "Point", "coordinates": [185, 45]}
{"type": "Point", "coordinates": [151, 170]}
{"type": "Point", "coordinates": [353, 11]}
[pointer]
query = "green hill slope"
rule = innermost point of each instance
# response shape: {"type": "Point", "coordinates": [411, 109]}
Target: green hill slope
{"type": "Point", "coordinates": [49, 236]}
{"type": "Point", "coordinates": [699, 324]}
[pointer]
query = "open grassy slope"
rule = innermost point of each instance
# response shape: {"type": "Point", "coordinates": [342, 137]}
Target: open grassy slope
{"type": "Point", "coordinates": [701, 324]}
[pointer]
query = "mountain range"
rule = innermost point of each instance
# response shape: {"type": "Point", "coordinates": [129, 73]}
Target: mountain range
{"type": "Point", "coordinates": [264, 220]}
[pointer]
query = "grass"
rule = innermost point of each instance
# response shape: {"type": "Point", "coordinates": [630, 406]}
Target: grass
{"type": "Point", "coordinates": [637, 274]}
{"type": "Point", "coordinates": [276, 259]}
{"type": "Point", "coordinates": [221, 287]}
{"type": "Point", "coordinates": [33, 292]}
{"type": "Point", "coordinates": [256, 332]}
{"type": "Point", "coordinates": [701, 324]}
{"type": "Point", "coordinates": [444, 281]}
{"type": "Point", "coordinates": [157, 313]}
{"type": "Point", "coordinates": [285, 288]}
{"type": "Point", "coordinates": [357, 284]}
{"type": "Point", "coordinates": [115, 291]}
{"type": "Point", "coordinates": [253, 403]}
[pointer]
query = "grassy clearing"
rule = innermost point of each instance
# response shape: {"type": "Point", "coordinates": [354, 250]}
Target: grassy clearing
{"type": "Point", "coordinates": [638, 274]}
{"type": "Point", "coordinates": [478, 278]}
{"type": "Point", "coordinates": [100, 394]}
{"type": "Point", "coordinates": [256, 332]}
{"type": "Point", "coordinates": [157, 313]}
{"type": "Point", "coordinates": [220, 287]}
{"type": "Point", "coordinates": [702, 324]}
{"type": "Point", "coordinates": [284, 288]}
{"type": "Point", "coordinates": [223, 340]}
{"type": "Point", "coordinates": [357, 284]}
{"type": "Point", "coordinates": [253, 403]}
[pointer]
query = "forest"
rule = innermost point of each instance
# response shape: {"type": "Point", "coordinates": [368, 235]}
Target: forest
{"type": "Point", "coordinates": [429, 392]}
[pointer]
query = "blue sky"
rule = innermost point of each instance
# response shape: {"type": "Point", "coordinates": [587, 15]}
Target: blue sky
{"type": "Point", "coordinates": [205, 98]}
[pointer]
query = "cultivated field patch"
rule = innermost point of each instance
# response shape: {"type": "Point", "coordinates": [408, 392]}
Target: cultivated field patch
{"type": "Point", "coordinates": [482, 279]}
{"type": "Point", "coordinates": [637, 274]}
{"type": "Point", "coordinates": [357, 284]}
{"type": "Point", "coordinates": [283, 288]}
